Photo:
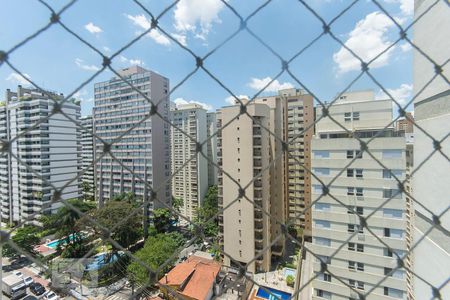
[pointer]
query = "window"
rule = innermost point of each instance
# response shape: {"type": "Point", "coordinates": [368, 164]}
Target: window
{"type": "Point", "coordinates": [360, 247]}
{"type": "Point", "coordinates": [317, 189]}
{"type": "Point", "coordinates": [350, 153]}
{"type": "Point", "coordinates": [359, 192]}
{"type": "Point", "coordinates": [327, 277]}
{"type": "Point", "coordinates": [321, 154]}
{"type": "Point", "coordinates": [351, 246]}
{"type": "Point", "coordinates": [322, 206]}
{"type": "Point", "coordinates": [358, 154]}
{"type": "Point", "coordinates": [396, 274]}
{"type": "Point", "coordinates": [350, 172]}
{"type": "Point", "coordinates": [351, 265]}
{"type": "Point", "coordinates": [392, 213]}
{"type": "Point", "coordinates": [360, 285]}
{"type": "Point", "coordinates": [322, 224]}
{"type": "Point", "coordinates": [322, 241]}
{"type": "Point", "coordinates": [387, 232]}
{"type": "Point", "coordinates": [353, 227]}
{"type": "Point", "coordinates": [360, 267]}
{"type": "Point", "coordinates": [322, 171]}
{"type": "Point", "coordinates": [392, 193]}
{"type": "Point", "coordinates": [350, 191]}
{"type": "Point", "coordinates": [323, 294]}
{"type": "Point", "coordinates": [356, 116]}
{"type": "Point", "coordinates": [352, 283]}
{"type": "Point", "coordinates": [392, 153]}
{"type": "Point", "coordinates": [359, 173]}
{"type": "Point", "coordinates": [387, 252]}
{"type": "Point", "coordinates": [347, 117]}
{"type": "Point", "coordinates": [395, 293]}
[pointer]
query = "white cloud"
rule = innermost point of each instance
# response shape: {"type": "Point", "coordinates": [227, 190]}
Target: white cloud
{"type": "Point", "coordinates": [405, 47]}
{"type": "Point", "coordinates": [181, 101]}
{"type": "Point", "coordinates": [80, 63]}
{"type": "Point", "coordinates": [232, 101]}
{"type": "Point", "coordinates": [144, 23]}
{"type": "Point", "coordinates": [92, 28]}
{"type": "Point", "coordinates": [81, 95]}
{"type": "Point", "coordinates": [402, 94]}
{"type": "Point", "coordinates": [367, 40]}
{"type": "Point", "coordinates": [197, 16]}
{"type": "Point", "coordinates": [131, 61]}
{"type": "Point", "coordinates": [107, 49]}
{"type": "Point", "coordinates": [406, 6]}
{"type": "Point", "coordinates": [275, 86]}
{"type": "Point", "coordinates": [180, 38]}
{"type": "Point", "coordinates": [18, 79]}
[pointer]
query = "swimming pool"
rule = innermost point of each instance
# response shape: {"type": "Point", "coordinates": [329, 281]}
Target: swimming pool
{"type": "Point", "coordinates": [54, 244]}
{"type": "Point", "coordinates": [273, 295]}
{"type": "Point", "coordinates": [100, 261]}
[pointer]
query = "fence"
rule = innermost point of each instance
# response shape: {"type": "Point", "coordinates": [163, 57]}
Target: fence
{"type": "Point", "coordinates": [56, 19]}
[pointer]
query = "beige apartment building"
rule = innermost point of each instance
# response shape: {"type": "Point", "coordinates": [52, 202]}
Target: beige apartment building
{"type": "Point", "coordinates": [211, 147]}
{"type": "Point", "coordinates": [190, 169]}
{"type": "Point", "coordinates": [285, 183]}
{"type": "Point", "coordinates": [365, 188]}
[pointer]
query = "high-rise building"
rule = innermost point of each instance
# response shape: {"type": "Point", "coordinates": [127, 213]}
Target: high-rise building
{"type": "Point", "coordinates": [144, 147]}
{"type": "Point", "coordinates": [87, 157]}
{"type": "Point", "coordinates": [363, 188]}
{"type": "Point", "coordinates": [405, 124]}
{"type": "Point", "coordinates": [50, 149]}
{"type": "Point", "coordinates": [190, 168]}
{"type": "Point", "coordinates": [211, 147]}
{"type": "Point", "coordinates": [244, 152]}
{"type": "Point", "coordinates": [432, 175]}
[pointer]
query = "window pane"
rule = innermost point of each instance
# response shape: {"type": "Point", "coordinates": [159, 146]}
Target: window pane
{"type": "Point", "coordinates": [322, 206]}
{"type": "Point", "coordinates": [322, 224]}
{"type": "Point", "coordinates": [321, 153]}
{"type": "Point", "coordinates": [392, 213]}
{"type": "Point", "coordinates": [322, 171]}
{"type": "Point", "coordinates": [392, 153]}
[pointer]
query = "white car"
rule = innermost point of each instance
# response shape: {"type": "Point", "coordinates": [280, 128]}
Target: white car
{"type": "Point", "coordinates": [51, 296]}
{"type": "Point", "coordinates": [28, 280]}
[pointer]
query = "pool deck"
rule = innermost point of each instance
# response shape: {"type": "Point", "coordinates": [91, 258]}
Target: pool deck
{"type": "Point", "coordinates": [275, 280]}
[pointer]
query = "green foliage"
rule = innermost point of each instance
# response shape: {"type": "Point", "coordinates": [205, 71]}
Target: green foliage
{"type": "Point", "coordinates": [162, 218]}
{"type": "Point", "coordinates": [156, 251]}
{"type": "Point", "coordinates": [129, 197]}
{"type": "Point", "coordinates": [208, 210]}
{"type": "Point", "coordinates": [177, 203]}
{"type": "Point", "coordinates": [290, 280]}
{"type": "Point", "coordinates": [26, 238]}
{"type": "Point", "coordinates": [112, 216]}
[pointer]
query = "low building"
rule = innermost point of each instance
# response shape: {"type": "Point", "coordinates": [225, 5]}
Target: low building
{"type": "Point", "coordinates": [194, 278]}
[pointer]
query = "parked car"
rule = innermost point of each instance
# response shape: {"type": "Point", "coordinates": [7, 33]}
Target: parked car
{"type": "Point", "coordinates": [28, 280]}
{"type": "Point", "coordinates": [30, 297]}
{"type": "Point", "coordinates": [51, 296]}
{"type": "Point", "coordinates": [37, 288]}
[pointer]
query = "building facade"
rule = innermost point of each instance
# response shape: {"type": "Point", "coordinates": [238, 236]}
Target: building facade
{"type": "Point", "coordinates": [405, 124]}
{"type": "Point", "coordinates": [190, 169]}
{"type": "Point", "coordinates": [243, 153]}
{"type": "Point", "coordinates": [363, 188]}
{"type": "Point", "coordinates": [87, 158]}
{"type": "Point", "coordinates": [50, 149]}
{"type": "Point", "coordinates": [145, 147]}
{"type": "Point", "coordinates": [430, 181]}
{"type": "Point", "coordinates": [211, 147]}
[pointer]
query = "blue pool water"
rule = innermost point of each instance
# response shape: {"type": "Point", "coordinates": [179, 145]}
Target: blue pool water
{"type": "Point", "coordinates": [273, 295]}
{"type": "Point", "coordinates": [54, 244]}
{"type": "Point", "coordinates": [100, 261]}
{"type": "Point", "coordinates": [289, 271]}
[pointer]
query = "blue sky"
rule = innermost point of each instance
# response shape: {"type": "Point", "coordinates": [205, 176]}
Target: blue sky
{"type": "Point", "coordinates": [57, 61]}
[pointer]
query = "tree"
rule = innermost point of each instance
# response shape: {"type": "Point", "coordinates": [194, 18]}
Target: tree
{"type": "Point", "coordinates": [26, 238]}
{"type": "Point", "coordinates": [156, 251]}
{"type": "Point", "coordinates": [290, 280]}
{"type": "Point", "coordinates": [115, 216]}
{"type": "Point", "coordinates": [87, 189]}
{"type": "Point", "coordinates": [177, 203]}
{"type": "Point", "coordinates": [207, 211]}
{"type": "Point", "coordinates": [162, 219]}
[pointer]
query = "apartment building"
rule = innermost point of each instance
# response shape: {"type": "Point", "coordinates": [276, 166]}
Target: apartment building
{"type": "Point", "coordinates": [211, 147]}
{"type": "Point", "coordinates": [244, 152]}
{"type": "Point", "coordinates": [87, 157]}
{"type": "Point", "coordinates": [50, 149]}
{"type": "Point", "coordinates": [405, 124]}
{"type": "Point", "coordinates": [364, 188]}
{"type": "Point", "coordinates": [431, 179]}
{"type": "Point", "coordinates": [190, 169]}
{"type": "Point", "coordinates": [144, 147]}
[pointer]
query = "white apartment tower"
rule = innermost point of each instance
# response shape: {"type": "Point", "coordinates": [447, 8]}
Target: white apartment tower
{"type": "Point", "coordinates": [363, 186]}
{"type": "Point", "coordinates": [190, 169]}
{"type": "Point", "coordinates": [87, 157]}
{"type": "Point", "coordinates": [145, 149]}
{"type": "Point", "coordinates": [50, 149]}
{"type": "Point", "coordinates": [211, 147]}
{"type": "Point", "coordinates": [431, 179]}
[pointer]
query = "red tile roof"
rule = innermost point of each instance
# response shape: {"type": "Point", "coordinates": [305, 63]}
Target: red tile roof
{"type": "Point", "coordinates": [197, 273]}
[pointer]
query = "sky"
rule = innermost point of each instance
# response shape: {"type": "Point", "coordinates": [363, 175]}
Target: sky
{"type": "Point", "coordinates": [57, 61]}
